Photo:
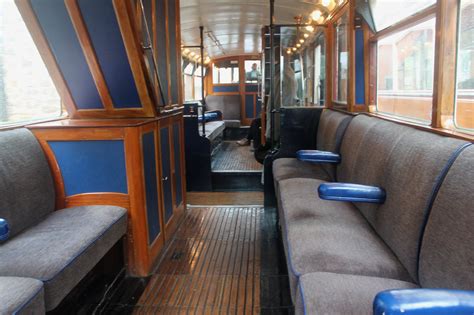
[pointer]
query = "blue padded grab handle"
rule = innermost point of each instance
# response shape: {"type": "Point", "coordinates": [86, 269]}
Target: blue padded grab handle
{"type": "Point", "coordinates": [316, 156]}
{"type": "Point", "coordinates": [424, 302]}
{"type": "Point", "coordinates": [351, 192]}
{"type": "Point", "coordinates": [4, 230]}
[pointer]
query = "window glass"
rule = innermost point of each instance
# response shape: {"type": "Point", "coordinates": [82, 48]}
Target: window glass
{"type": "Point", "coordinates": [319, 71]}
{"type": "Point", "coordinates": [342, 60]}
{"type": "Point", "coordinates": [389, 12]}
{"type": "Point", "coordinates": [464, 109]}
{"type": "Point", "coordinates": [188, 88]}
{"type": "Point", "coordinates": [226, 72]}
{"type": "Point", "coordinates": [26, 90]}
{"type": "Point", "coordinates": [405, 72]}
{"type": "Point", "coordinates": [253, 72]}
{"type": "Point", "coordinates": [189, 69]}
{"type": "Point", "coordinates": [197, 88]}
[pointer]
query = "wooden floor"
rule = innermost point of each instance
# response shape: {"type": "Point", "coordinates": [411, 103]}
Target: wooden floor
{"type": "Point", "coordinates": [212, 266]}
{"type": "Point", "coordinates": [225, 198]}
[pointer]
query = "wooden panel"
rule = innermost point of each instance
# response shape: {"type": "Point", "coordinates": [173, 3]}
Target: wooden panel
{"type": "Point", "coordinates": [213, 266]}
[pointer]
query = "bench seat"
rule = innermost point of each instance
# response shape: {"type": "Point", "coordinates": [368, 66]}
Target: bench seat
{"type": "Point", "coordinates": [21, 296]}
{"type": "Point", "coordinates": [331, 293]}
{"type": "Point", "coordinates": [214, 129]}
{"type": "Point", "coordinates": [330, 236]}
{"type": "Point", "coordinates": [63, 248]}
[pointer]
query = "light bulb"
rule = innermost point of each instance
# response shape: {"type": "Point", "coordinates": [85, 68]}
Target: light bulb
{"type": "Point", "coordinates": [316, 15]}
{"type": "Point", "coordinates": [306, 35]}
{"type": "Point", "coordinates": [298, 45]}
{"type": "Point", "coordinates": [310, 28]}
{"type": "Point", "coordinates": [301, 41]}
{"type": "Point", "coordinates": [294, 48]}
{"type": "Point", "coordinates": [325, 2]}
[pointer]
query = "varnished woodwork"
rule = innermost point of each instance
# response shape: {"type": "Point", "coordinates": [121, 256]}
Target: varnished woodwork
{"type": "Point", "coordinates": [225, 198]}
{"type": "Point", "coordinates": [91, 199]}
{"type": "Point", "coordinates": [352, 59]}
{"type": "Point", "coordinates": [444, 81]}
{"type": "Point", "coordinates": [89, 53]}
{"type": "Point", "coordinates": [213, 265]}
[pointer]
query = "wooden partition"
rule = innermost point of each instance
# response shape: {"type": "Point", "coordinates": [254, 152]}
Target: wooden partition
{"type": "Point", "coordinates": [137, 164]}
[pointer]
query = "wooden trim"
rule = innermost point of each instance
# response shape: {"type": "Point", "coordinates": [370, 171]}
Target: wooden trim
{"type": "Point", "coordinates": [352, 58]}
{"type": "Point", "coordinates": [138, 259]}
{"type": "Point", "coordinates": [91, 199]}
{"type": "Point", "coordinates": [34, 27]}
{"type": "Point", "coordinates": [329, 35]}
{"type": "Point", "coordinates": [78, 134]}
{"type": "Point", "coordinates": [444, 81]}
{"type": "Point", "coordinates": [417, 18]}
{"type": "Point", "coordinates": [89, 53]}
{"type": "Point", "coordinates": [134, 51]}
{"type": "Point", "coordinates": [178, 51]}
{"type": "Point", "coordinates": [440, 131]}
{"type": "Point", "coordinates": [168, 66]}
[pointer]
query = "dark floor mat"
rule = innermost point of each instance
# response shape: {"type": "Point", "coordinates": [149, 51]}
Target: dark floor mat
{"type": "Point", "coordinates": [232, 157]}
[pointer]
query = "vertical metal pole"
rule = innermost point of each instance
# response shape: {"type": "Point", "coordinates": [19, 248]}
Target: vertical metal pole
{"type": "Point", "coordinates": [272, 73]}
{"type": "Point", "coordinates": [203, 101]}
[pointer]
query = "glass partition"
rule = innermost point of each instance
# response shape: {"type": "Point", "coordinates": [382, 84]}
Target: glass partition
{"type": "Point", "coordinates": [225, 72]}
{"type": "Point", "coordinates": [253, 71]}
{"type": "Point", "coordinates": [342, 60]}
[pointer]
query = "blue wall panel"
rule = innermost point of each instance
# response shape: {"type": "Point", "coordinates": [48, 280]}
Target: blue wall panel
{"type": "Point", "coordinates": [249, 106]}
{"type": "Point", "coordinates": [104, 32]}
{"type": "Point", "coordinates": [360, 73]}
{"type": "Point", "coordinates": [59, 31]}
{"type": "Point", "coordinates": [251, 88]}
{"type": "Point", "coordinates": [173, 53]}
{"type": "Point", "coordinates": [162, 53]}
{"type": "Point", "coordinates": [91, 166]}
{"type": "Point", "coordinates": [166, 172]}
{"type": "Point", "coordinates": [177, 163]}
{"type": "Point", "coordinates": [225, 88]}
{"type": "Point", "coordinates": [151, 185]}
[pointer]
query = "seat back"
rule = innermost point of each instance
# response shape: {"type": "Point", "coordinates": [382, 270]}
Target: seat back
{"type": "Point", "coordinates": [406, 162]}
{"type": "Point", "coordinates": [26, 185]}
{"type": "Point", "coordinates": [229, 105]}
{"type": "Point", "coordinates": [331, 129]}
{"type": "Point", "coordinates": [447, 250]}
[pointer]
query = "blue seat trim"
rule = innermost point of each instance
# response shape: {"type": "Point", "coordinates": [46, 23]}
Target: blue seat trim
{"type": "Point", "coordinates": [209, 117]}
{"type": "Point", "coordinates": [351, 192]}
{"type": "Point", "coordinates": [4, 230]}
{"type": "Point", "coordinates": [316, 156]}
{"type": "Point", "coordinates": [423, 302]}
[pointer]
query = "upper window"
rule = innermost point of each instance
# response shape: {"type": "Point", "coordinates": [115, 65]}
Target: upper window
{"type": "Point", "coordinates": [405, 72]}
{"type": "Point", "coordinates": [342, 60]}
{"type": "Point", "coordinates": [253, 73]}
{"type": "Point", "coordinates": [464, 109]}
{"type": "Point", "coordinates": [226, 72]}
{"type": "Point", "coordinates": [388, 12]}
{"type": "Point", "coordinates": [319, 71]}
{"type": "Point", "coordinates": [27, 92]}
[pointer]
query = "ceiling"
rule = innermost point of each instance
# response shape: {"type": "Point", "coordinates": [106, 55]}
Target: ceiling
{"type": "Point", "coordinates": [236, 24]}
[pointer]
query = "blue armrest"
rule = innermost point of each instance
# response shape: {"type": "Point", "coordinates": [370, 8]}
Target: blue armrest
{"type": "Point", "coordinates": [351, 192]}
{"type": "Point", "coordinates": [4, 230]}
{"type": "Point", "coordinates": [211, 116]}
{"type": "Point", "coordinates": [424, 301]}
{"type": "Point", "coordinates": [316, 156]}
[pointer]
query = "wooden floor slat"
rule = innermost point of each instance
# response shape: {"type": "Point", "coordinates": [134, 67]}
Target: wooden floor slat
{"type": "Point", "coordinates": [212, 266]}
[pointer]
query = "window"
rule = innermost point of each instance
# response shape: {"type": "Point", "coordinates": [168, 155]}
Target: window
{"type": "Point", "coordinates": [198, 83]}
{"type": "Point", "coordinates": [188, 87]}
{"type": "Point", "coordinates": [27, 92]}
{"type": "Point", "coordinates": [226, 72]}
{"type": "Point", "coordinates": [389, 12]}
{"type": "Point", "coordinates": [405, 72]}
{"type": "Point", "coordinates": [342, 60]}
{"type": "Point", "coordinates": [319, 71]}
{"type": "Point", "coordinates": [464, 108]}
{"type": "Point", "coordinates": [253, 72]}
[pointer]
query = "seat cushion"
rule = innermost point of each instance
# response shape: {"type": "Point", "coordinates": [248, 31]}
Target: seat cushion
{"type": "Point", "coordinates": [330, 293]}
{"type": "Point", "coordinates": [214, 129]}
{"type": "Point", "coordinates": [232, 123]}
{"type": "Point", "coordinates": [63, 248]}
{"type": "Point", "coordinates": [26, 184]}
{"type": "Point", "coordinates": [21, 296]}
{"type": "Point", "coordinates": [330, 236]}
{"type": "Point", "coordinates": [286, 168]}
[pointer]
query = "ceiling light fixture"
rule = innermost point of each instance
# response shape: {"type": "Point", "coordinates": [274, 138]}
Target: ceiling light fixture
{"type": "Point", "coordinates": [306, 35]}
{"type": "Point", "coordinates": [326, 2]}
{"type": "Point", "coordinates": [316, 15]}
{"type": "Point", "coordinates": [310, 28]}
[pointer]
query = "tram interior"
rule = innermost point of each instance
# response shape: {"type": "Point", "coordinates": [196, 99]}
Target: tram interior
{"type": "Point", "coordinates": [236, 157]}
